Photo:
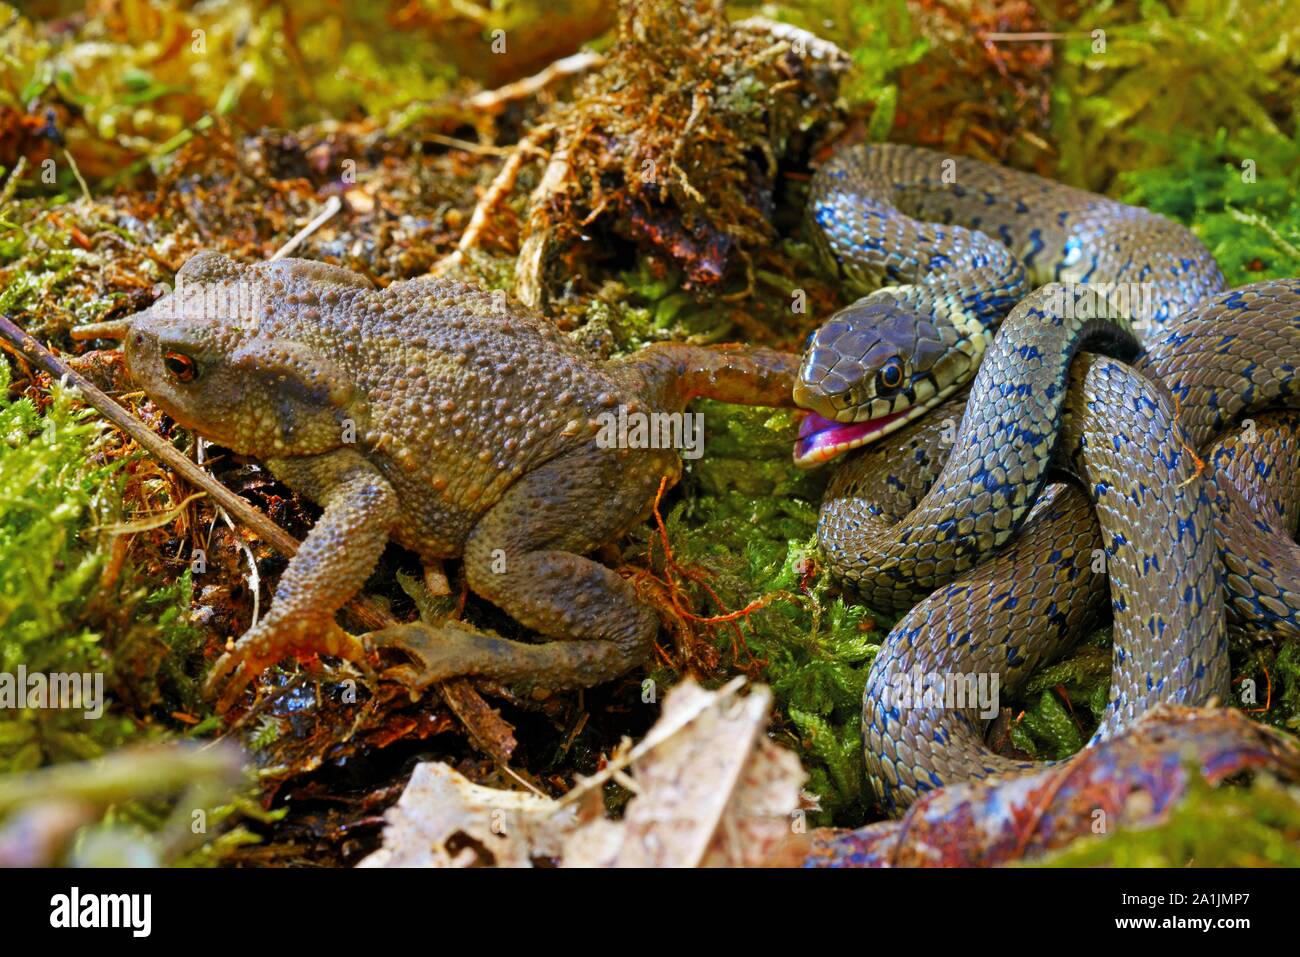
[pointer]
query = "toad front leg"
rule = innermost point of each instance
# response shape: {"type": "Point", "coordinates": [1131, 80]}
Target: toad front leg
{"type": "Point", "coordinates": [333, 563]}
{"type": "Point", "coordinates": [526, 556]}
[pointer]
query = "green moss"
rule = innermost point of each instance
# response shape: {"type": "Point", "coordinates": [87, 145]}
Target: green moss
{"type": "Point", "coordinates": [60, 489]}
{"type": "Point", "coordinates": [1240, 193]}
{"type": "Point", "coordinates": [880, 36]}
{"type": "Point", "coordinates": [748, 517]}
{"type": "Point", "coordinates": [1048, 730]}
{"type": "Point", "coordinates": [1286, 678]}
{"type": "Point", "coordinates": [1256, 826]}
{"type": "Point", "coordinates": [1134, 74]}
{"type": "Point", "coordinates": [50, 492]}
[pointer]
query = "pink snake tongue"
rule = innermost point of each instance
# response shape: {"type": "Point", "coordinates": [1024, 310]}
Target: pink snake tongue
{"type": "Point", "coordinates": [821, 439]}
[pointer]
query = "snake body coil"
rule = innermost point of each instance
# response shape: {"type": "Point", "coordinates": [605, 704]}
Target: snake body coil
{"type": "Point", "coordinates": [894, 215]}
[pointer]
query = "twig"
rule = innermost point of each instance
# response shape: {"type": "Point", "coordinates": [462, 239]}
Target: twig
{"type": "Point", "coordinates": [494, 101]}
{"type": "Point", "coordinates": [1041, 37]}
{"type": "Point", "coordinates": [796, 38]}
{"type": "Point", "coordinates": [501, 186]}
{"type": "Point", "coordinates": [1267, 228]}
{"type": "Point", "coordinates": [467, 145]}
{"type": "Point", "coordinates": [81, 181]}
{"type": "Point", "coordinates": [11, 181]}
{"type": "Point", "coordinates": [486, 728]}
{"type": "Point", "coordinates": [332, 206]}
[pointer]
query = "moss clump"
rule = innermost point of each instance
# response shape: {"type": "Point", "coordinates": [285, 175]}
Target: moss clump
{"type": "Point", "coordinates": [675, 144]}
{"type": "Point", "coordinates": [134, 80]}
{"type": "Point", "coordinates": [743, 536]}
{"type": "Point", "coordinates": [1240, 193]}
{"type": "Point", "coordinates": [1133, 69]}
{"type": "Point", "coordinates": [49, 493]}
{"type": "Point", "coordinates": [1256, 826]}
{"type": "Point", "coordinates": [68, 602]}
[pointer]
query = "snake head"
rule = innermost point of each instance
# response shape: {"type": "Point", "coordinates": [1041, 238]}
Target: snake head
{"type": "Point", "coordinates": [869, 370]}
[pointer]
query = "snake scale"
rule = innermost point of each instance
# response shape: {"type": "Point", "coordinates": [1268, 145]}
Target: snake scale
{"type": "Point", "coordinates": [951, 506]}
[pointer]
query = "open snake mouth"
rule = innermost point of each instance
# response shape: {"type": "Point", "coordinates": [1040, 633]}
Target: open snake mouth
{"type": "Point", "coordinates": [822, 439]}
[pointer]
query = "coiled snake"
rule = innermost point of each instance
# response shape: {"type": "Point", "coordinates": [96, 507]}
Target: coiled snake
{"type": "Point", "coordinates": [1001, 570]}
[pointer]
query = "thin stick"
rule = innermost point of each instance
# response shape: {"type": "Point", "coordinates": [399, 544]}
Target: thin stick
{"type": "Point", "coordinates": [81, 181]}
{"type": "Point", "coordinates": [11, 182]}
{"type": "Point", "coordinates": [467, 145]}
{"type": "Point", "coordinates": [494, 101]}
{"type": "Point", "coordinates": [486, 728]}
{"type": "Point", "coordinates": [501, 186]}
{"type": "Point", "coordinates": [1029, 37]}
{"type": "Point", "coordinates": [332, 206]}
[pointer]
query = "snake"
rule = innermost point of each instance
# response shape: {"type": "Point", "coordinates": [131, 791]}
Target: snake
{"type": "Point", "coordinates": [1013, 332]}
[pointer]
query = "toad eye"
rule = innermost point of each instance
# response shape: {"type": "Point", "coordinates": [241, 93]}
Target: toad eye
{"type": "Point", "coordinates": [181, 366]}
{"type": "Point", "coordinates": [890, 377]}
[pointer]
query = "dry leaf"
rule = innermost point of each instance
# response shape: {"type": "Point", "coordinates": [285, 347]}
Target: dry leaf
{"type": "Point", "coordinates": [443, 819]}
{"type": "Point", "coordinates": [716, 793]}
{"type": "Point", "coordinates": [711, 790]}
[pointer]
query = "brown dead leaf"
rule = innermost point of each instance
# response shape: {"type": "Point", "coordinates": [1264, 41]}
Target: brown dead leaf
{"type": "Point", "coordinates": [711, 790]}
{"type": "Point", "coordinates": [444, 820]}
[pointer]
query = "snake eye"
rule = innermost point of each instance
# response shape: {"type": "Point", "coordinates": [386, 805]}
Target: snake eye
{"type": "Point", "coordinates": [890, 377]}
{"type": "Point", "coordinates": [181, 366]}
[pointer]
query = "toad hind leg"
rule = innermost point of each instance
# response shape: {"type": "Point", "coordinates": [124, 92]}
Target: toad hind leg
{"type": "Point", "coordinates": [526, 556]}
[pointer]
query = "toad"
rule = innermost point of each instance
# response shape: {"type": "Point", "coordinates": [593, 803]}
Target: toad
{"type": "Point", "coordinates": [450, 420]}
